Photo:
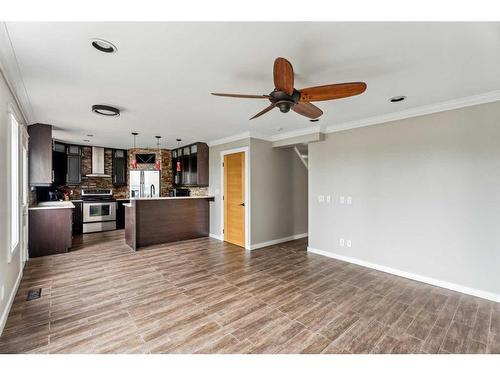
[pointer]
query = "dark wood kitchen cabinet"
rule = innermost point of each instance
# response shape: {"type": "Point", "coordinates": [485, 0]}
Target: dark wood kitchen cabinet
{"type": "Point", "coordinates": [120, 214]}
{"type": "Point", "coordinates": [59, 163]}
{"type": "Point", "coordinates": [193, 161]}
{"type": "Point", "coordinates": [74, 169]}
{"type": "Point", "coordinates": [40, 155]}
{"type": "Point", "coordinates": [49, 231]}
{"type": "Point", "coordinates": [77, 218]}
{"type": "Point", "coordinates": [119, 167]}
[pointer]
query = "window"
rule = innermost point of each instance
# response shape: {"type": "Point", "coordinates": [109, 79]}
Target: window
{"type": "Point", "coordinates": [14, 185]}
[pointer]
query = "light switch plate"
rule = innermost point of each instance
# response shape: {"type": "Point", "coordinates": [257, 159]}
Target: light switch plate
{"type": "Point", "coordinates": [348, 243]}
{"type": "Point", "coordinates": [327, 199]}
{"type": "Point", "coordinates": [349, 200]}
{"type": "Point", "coordinates": [342, 199]}
{"type": "Point", "coordinates": [342, 242]}
{"type": "Point", "coordinates": [321, 198]}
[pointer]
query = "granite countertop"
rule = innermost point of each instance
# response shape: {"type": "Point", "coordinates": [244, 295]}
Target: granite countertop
{"type": "Point", "coordinates": [52, 205]}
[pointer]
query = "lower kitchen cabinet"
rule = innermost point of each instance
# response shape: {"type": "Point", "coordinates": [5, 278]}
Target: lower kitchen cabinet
{"type": "Point", "coordinates": [78, 218]}
{"type": "Point", "coordinates": [49, 231]}
{"type": "Point", "coordinates": [120, 214]}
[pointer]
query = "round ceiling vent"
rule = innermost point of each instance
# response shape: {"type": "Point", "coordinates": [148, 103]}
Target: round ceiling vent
{"type": "Point", "coordinates": [105, 110]}
{"type": "Point", "coordinates": [103, 45]}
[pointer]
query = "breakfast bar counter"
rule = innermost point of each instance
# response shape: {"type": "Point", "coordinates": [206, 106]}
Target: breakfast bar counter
{"type": "Point", "coordinates": [150, 221]}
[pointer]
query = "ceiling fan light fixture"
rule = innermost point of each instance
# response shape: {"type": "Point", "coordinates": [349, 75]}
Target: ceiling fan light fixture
{"type": "Point", "coordinates": [396, 99]}
{"type": "Point", "coordinates": [103, 46]}
{"type": "Point", "coordinates": [105, 110]}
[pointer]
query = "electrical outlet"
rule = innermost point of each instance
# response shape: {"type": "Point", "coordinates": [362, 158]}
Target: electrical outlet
{"type": "Point", "coordinates": [342, 199]}
{"type": "Point", "coordinates": [327, 199]}
{"type": "Point", "coordinates": [342, 242]}
{"type": "Point", "coordinates": [348, 243]}
{"type": "Point", "coordinates": [349, 200]}
{"type": "Point", "coordinates": [321, 198]}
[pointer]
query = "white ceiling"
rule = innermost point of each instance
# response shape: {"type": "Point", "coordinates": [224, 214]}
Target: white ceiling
{"type": "Point", "coordinates": [163, 73]}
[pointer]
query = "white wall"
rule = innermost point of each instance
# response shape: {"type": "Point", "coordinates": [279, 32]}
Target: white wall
{"type": "Point", "coordinates": [426, 197]}
{"type": "Point", "coordinates": [278, 191]}
{"type": "Point", "coordinates": [10, 269]}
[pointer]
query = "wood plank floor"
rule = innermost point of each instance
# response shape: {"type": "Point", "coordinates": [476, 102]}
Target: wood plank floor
{"type": "Point", "coordinates": [206, 296]}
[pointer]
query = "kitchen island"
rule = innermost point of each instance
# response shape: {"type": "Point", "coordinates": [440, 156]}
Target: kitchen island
{"type": "Point", "coordinates": [150, 221]}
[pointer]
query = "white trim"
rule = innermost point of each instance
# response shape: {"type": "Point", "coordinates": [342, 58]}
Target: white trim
{"type": "Point", "coordinates": [9, 69]}
{"type": "Point", "coordinates": [488, 97]}
{"type": "Point", "coordinates": [408, 275]}
{"type": "Point", "coordinates": [229, 139]}
{"type": "Point", "coordinates": [295, 133]}
{"type": "Point", "coordinates": [217, 237]}
{"type": "Point", "coordinates": [238, 137]}
{"type": "Point", "coordinates": [300, 157]}
{"type": "Point", "coordinates": [277, 241]}
{"type": "Point", "coordinates": [246, 151]}
{"type": "Point", "coordinates": [5, 314]}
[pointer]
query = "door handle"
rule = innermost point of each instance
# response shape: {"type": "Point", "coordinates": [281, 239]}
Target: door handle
{"type": "Point", "coordinates": [242, 204]}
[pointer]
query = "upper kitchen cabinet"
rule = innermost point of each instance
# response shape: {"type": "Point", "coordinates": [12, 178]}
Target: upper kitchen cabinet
{"type": "Point", "coordinates": [192, 160]}
{"type": "Point", "coordinates": [119, 167]}
{"type": "Point", "coordinates": [74, 170]}
{"type": "Point", "coordinates": [59, 163]}
{"type": "Point", "coordinates": [40, 155]}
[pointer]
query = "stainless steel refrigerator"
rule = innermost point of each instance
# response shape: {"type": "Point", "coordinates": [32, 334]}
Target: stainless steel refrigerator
{"type": "Point", "coordinates": [144, 184]}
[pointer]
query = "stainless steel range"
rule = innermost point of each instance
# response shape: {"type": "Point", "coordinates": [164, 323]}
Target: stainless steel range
{"type": "Point", "coordinates": [99, 210]}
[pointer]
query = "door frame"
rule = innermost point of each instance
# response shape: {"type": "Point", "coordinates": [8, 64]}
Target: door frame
{"type": "Point", "coordinates": [246, 151]}
{"type": "Point", "coordinates": [24, 193]}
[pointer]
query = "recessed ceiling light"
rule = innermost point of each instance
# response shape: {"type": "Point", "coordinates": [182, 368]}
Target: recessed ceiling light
{"type": "Point", "coordinates": [103, 45]}
{"type": "Point", "coordinates": [398, 98]}
{"type": "Point", "coordinates": [314, 120]}
{"type": "Point", "coordinates": [105, 110]}
{"type": "Point", "coordinates": [90, 135]}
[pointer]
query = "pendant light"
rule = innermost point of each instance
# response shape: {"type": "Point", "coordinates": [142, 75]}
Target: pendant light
{"type": "Point", "coordinates": [158, 159]}
{"type": "Point", "coordinates": [134, 161]}
{"type": "Point", "coordinates": [178, 164]}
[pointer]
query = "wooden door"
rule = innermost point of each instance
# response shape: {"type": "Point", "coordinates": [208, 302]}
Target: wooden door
{"type": "Point", "coordinates": [234, 198]}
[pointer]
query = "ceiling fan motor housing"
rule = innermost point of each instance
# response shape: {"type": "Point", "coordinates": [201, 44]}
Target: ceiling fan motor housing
{"type": "Point", "coordinates": [284, 101]}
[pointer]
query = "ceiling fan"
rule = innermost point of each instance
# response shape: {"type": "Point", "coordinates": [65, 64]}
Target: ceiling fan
{"type": "Point", "coordinates": [286, 97]}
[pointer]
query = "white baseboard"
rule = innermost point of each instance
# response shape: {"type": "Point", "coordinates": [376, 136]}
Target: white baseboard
{"type": "Point", "coordinates": [408, 275]}
{"type": "Point", "coordinates": [277, 241]}
{"type": "Point", "coordinates": [5, 314]}
{"type": "Point", "coordinates": [217, 237]}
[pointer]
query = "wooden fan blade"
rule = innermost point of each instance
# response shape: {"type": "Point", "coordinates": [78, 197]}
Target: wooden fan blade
{"type": "Point", "coordinates": [241, 95]}
{"type": "Point", "coordinates": [283, 75]}
{"type": "Point", "coordinates": [265, 110]}
{"type": "Point", "coordinates": [329, 92]}
{"type": "Point", "coordinates": [307, 109]}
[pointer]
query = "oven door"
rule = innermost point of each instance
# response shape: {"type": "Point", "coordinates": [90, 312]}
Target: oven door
{"type": "Point", "coordinates": [99, 211]}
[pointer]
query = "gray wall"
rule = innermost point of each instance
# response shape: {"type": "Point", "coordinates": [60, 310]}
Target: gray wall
{"type": "Point", "coordinates": [278, 191]}
{"type": "Point", "coordinates": [9, 271]}
{"type": "Point", "coordinates": [425, 195]}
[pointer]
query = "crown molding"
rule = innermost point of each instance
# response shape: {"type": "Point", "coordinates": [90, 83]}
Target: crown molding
{"type": "Point", "coordinates": [296, 133]}
{"type": "Point", "coordinates": [468, 101]}
{"type": "Point", "coordinates": [9, 69]}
